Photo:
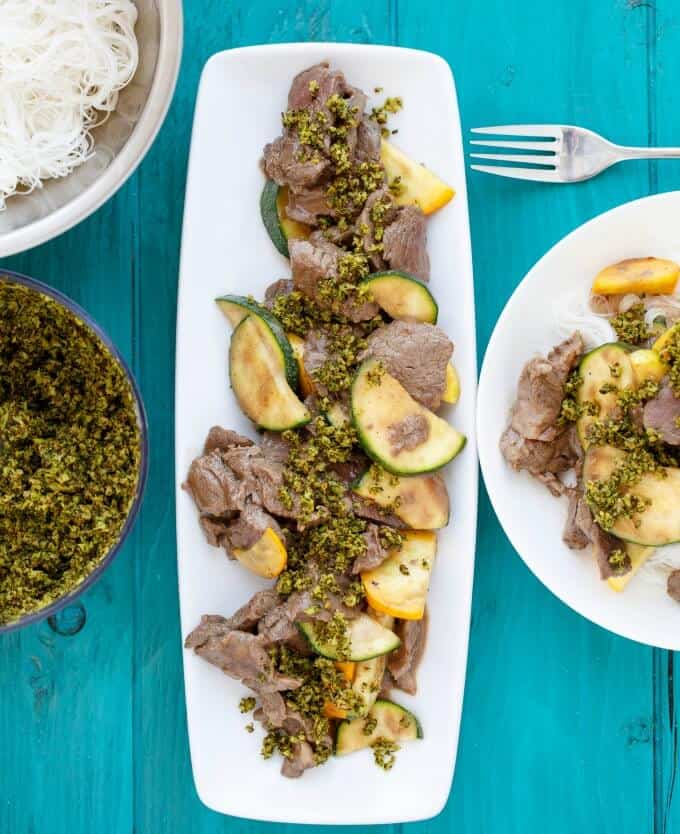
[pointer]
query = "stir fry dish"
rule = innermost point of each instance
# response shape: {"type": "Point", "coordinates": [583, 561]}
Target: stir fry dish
{"type": "Point", "coordinates": [343, 370]}
{"type": "Point", "coordinates": [601, 426]}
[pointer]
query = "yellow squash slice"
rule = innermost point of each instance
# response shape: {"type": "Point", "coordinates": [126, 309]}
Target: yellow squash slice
{"type": "Point", "coordinates": [267, 557]}
{"type": "Point", "coordinates": [418, 184]}
{"type": "Point", "coordinates": [291, 228]}
{"type": "Point", "coordinates": [399, 586]}
{"type": "Point", "coordinates": [452, 391]}
{"type": "Point", "coordinates": [654, 276]}
{"type": "Point", "coordinates": [638, 556]}
{"type": "Point", "coordinates": [647, 365]}
{"type": "Point", "coordinates": [665, 338]}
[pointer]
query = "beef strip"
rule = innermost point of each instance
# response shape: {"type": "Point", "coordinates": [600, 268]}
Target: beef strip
{"type": "Point", "coordinates": [405, 243]}
{"type": "Point", "coordinates": [284, 286]}
{"type": "Point", "coordinates": [249, 527]}
{"type": "Point", "coordinates": [365, 508]}
{"type": "Point", "coordinates": [416, 354]}
{"type": "Point", "coordinates": [214, 486]}
{"type": "Point", "coordinates": [540, 391]}
{"type": "Point", "coordinates": [274, 447]}
{"type": "Point", "coordinates": [574, 536]}
{"type": "Point", "coordinates": [581, 529]}
{"type": "Point", "coordinates": [407, 434]}
{"type": "Point", "coordinates": [219, 438]}
{"type": "Point", "coordinates": [366, 227]}
{"type": "Point", "coordinates": [249, 615]}
{"type": "Point", "coordinates": [301, 760]}
{"type": "Point", "coordinates": [307, 205]}
{"type": "Point", "coordinates": [534, 441]}
{"type": "Point", "coordinates": [285, 162]}
{"type": "Point", "coordinates": [673, 585]}
{"type": "Point", "coordinates": [328, 83]}
{"type": "Point", "coordinates": [368, 141]}
{"type": "Point", "coordinates": [315, 259]}
{"type": "Point", "coordinates": [375, 553]}
{"type": "Point", "coordinates": [240, 655]}
{"type": "Point", "coordinates": [279, 624]}
{"type": "Point", "coordinates": [215, 530]}
{"type": "Point", "coordinates": [315, 356]}
{"type": "Point", "coordinates": [403, 664]}
{"type": "Point", "coordinates": [662, 415]}
{"type": "Point", "coordinates": [272, 710]}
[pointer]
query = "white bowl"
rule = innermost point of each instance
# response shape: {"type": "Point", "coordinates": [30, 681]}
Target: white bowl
{"type": "Point", "coordinates": [121, 142]}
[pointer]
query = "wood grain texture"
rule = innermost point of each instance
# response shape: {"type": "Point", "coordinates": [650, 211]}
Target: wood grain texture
{"type": "Point", "coordinates": [566, 728]}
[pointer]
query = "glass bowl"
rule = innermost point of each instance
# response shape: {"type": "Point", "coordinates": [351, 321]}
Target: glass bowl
{"type": "Point", "coordinates": [74, 593]}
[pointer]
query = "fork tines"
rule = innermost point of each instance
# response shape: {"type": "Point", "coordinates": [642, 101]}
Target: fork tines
{"type": "Point", "coordinates": [546, 140]}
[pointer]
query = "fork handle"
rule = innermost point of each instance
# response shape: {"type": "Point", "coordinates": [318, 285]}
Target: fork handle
{"type": "Point", "coordinates": [648, 153]}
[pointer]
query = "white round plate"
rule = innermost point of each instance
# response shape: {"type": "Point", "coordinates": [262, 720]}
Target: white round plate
{"type": "Point", "coordinates": [545, 308]}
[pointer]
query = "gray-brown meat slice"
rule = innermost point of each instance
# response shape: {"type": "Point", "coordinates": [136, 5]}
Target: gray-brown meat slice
{"type": "Point", "coordinates": [308, 204]}
{"type": "Point", "coordinates": [540, 391]}
{"type": "Point", "coordinates": [249, 527]}
{"type": "Point", "coordinates": [662, 414]}
{"type": "Point", "coordinates": [405, 243]}
{"type": "Point", "coordinates": [301, 760]}
{"type": "Point", "coordinates": [285, 162]}
{"type": "Point", "coordinates": [416, 354]}
{"type": "Point", "coordinates": [403, 664]}
{"type": "Point", "coordinates": [375, 553]}
{"type": "Point", "coordinates": [315, 259]}
{"type": "Point", "coordinates": [284, 286]}
{"type": "Point", "coordinates": [673, 585]}
{"type": "Point", "coordinates": [214, 486]}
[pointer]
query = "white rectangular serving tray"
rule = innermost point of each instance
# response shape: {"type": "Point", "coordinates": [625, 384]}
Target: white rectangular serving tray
{"type": "Point", "coordinates": [226, 249]}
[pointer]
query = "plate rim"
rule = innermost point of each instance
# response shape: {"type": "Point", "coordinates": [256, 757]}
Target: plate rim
{"type": "Point", "coordinates": [485, 448]}
{"type": "Point", "coordinates": [428, 809]}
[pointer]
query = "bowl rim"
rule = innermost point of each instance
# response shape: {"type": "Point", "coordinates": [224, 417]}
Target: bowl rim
{"type": "Point", "coordinates": [132, 153]}
{"type": "Point", "coordinates": [91, 578]}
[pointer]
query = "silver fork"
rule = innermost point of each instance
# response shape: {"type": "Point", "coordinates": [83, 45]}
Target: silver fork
{"type": "Point", "coordinates": [568, 153]}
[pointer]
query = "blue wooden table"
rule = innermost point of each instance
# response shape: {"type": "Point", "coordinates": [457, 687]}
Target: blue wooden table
{"type": "Point", "coordinates": [566, 728]}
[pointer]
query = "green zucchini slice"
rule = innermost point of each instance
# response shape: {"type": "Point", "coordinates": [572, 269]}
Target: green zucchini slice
{"type": "Point", "coordinates": [257, 369]}
{"type": "Point", "coordinates": [609, 364]}
{"type": "Point", "coordinates": [237, 307]}
{"type": "Point", "coordinates": [421, 501]}
{"type": "Point", "coordinates": [402, 296]}
{"type": "Point", "coordinates": [367, 639]}
{"type": "Point", "coordinates": [279, 226]}
{"type": "Point", "coordinates": [659, 524]}
{"type": "Point", "coordinates": [392, 722]}
{"type": "Point", "coordinates": [379, 405]}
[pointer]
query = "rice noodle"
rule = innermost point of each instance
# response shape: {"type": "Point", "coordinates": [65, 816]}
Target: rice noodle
{"type": "Point", "coordinates": [62, 65]}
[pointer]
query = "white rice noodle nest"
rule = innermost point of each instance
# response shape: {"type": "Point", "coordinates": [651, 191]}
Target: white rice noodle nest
{"type": "Point", "coordinates": [62, 65]}
{"type": "Point", "coordinates": [576, 314]}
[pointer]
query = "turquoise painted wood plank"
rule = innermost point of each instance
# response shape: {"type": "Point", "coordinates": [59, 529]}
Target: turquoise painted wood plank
{"type": "Point", "coordinates": [65, 703]}
{"type": "Point", "coordinates": [663, 28]}
{"type": "Point", "coordinates": [550, 698]}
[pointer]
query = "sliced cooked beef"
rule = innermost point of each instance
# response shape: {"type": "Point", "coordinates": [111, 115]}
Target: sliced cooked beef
{"type": "Point", "coordinates": [366, 226]}
{"type": "Point", "coordinates": [315, 356]}
{"type": "Point", "coordinates": [307, 205]}
{"type": "Point", "coordinates": [349, 470]}
{"type": "Point", "coordinates": [272, 710]}
{"type": "Point", "coordinates": [540, 391]}
{"type": "Point", "coordinates": [284, 286]}
{"type": "Point", "coordinates": [375, 553]}
{"type": "Point", "coordinates": [662, 414]}
{"type": "Point", "coordinates": [327, 82]}
{"type": "Point", "coordinates": [214, 487]}
{"type": "Point", "coordinates": [387, 685]}
{"type": "Point", "coordinates": [240, 655]}
{"type": "Point", "coordinates": [673, 585]}
{"type": "Point", "coordinates": [215, 530]}
{"type": "Point", "coordinates": [543, 460]}
{"type": "Point", "coordinates": [369, 510]}
{"type": "Point", "coordinates": [407, 434]}
{"type": "Point", "coordinates": [279, 624]}
{"type": "Point", "coordinates": [211, 627]}
{"type": "Point", "coordinates": [219, 438]}
{"type": "Point", "coordinates": [417, 355]}
{"type": "Point", "coordinates": [403, 663]}
{"type": "Point", "coordinates": [249, 527]}
{"type": "Point", "coordinates": [301, 760]}
{"type": "Point", "coordinates": [368, 141]}
{"type": "Point", "coordinates": [534, 440]}
{"type": "Point", "coordinates": [405, 243]}
{"type": "Point", "coordinates": [286, 163]}
{"type": "Point", "coordinates": [574, 536]}
{"type": "Point", "coordinates": [250, 614]}
{"type": "Point", "coordinates": [582, 528]}
{"type": "Point", "coordinates": [274, 447]}
{"type": "Point", "coordinates": [315, 259]}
